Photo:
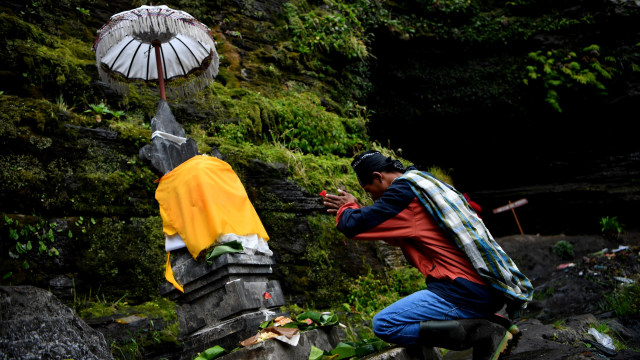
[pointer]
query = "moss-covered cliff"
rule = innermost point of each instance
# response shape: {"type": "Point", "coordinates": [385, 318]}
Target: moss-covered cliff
{"type": "Point", "coordinates": [302, 86]}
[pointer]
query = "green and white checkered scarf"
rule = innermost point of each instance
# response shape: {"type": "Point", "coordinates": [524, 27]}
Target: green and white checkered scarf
{"type": "Point", "coordinates": [452, 212]}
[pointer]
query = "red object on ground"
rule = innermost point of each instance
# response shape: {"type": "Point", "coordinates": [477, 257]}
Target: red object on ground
{"type": "Point", "coordinates": [323, 193]}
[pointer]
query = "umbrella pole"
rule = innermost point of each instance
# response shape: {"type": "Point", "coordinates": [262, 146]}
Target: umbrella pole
{"type": "Point", "coordinates": [156, 45]}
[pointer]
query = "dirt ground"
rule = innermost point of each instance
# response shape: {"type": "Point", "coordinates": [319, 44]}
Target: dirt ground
{"type": "Point", "coordinates": [571, 294]}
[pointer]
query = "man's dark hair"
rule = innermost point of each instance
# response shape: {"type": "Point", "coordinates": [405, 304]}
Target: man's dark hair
{"type": "Point", "coordinates": [364, 164]}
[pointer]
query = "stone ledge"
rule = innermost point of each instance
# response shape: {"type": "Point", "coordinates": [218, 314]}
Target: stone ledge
{"type": "Point", "coordinates": [325, 338]}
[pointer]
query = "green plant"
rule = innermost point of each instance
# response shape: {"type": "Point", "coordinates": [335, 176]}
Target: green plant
{"type": "Point", "coordinates": [564, 250]}
{"type": "Point", "coordinates": [117, 114]}
{"type": "Point", "coordinates": [83, 11]}
{"type": "Point", "coordinates": [369, 294]}
{"type": "Point", "coordinates": [29, 237]}
{"type": "Point", "coordinates": [611, 226]}
{"type": "Point", "coordinates": [62, 106]}
{"type": "Point", "coordinates": [559, 324]}
{"type": "Point", "coordinates": [100, 110]}
{"type": "Point", "coordinates": [625, 301]}
{"type": "Point", "coordinates": [338, 30]}
{"type": "Point", "coordinates": [561, 70]}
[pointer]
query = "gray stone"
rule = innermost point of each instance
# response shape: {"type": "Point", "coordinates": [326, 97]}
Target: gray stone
{"type": "Point", "coordinates": [325, 338]}
{"type": "Point", "coordinates": [34, 324]}
{"type": "Point", "coordinates": [227, 334]}
{"type": "Point", "coordinates": [194, 275]}
{"type": "Point", "coordinates": [234, 298]}
{"type": "Point", "coordinates": [234, 284]}
{"type": "Point", "coordinates": [164, 154]}
{"type": "Point", "coordinates": [401, 353]}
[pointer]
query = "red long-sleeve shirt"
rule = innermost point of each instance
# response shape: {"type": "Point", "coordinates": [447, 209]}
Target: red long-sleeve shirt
{"type": "Point", "coordinates": [399, 219]}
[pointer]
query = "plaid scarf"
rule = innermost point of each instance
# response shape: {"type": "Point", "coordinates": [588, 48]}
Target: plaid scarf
{"type": "Point", "coordinates": [452, 212]}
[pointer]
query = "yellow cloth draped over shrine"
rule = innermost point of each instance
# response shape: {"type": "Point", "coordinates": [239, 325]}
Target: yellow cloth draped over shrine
{"type": "Point", "coordinates": [202, 199]}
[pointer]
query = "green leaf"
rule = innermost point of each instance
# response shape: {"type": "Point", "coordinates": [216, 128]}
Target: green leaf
{"type": "Point", "coordinates": [363, 350]}
{"type": "Point", "coordinates": [344, 351]}
{"type": "Point", "coordinates": [70, 234]}
{"type": "Point", "coordinates": [266, 324]}
{"type": "Point", "coordinates": [212, 353]}
{"type": "Point", "coordinates": [328, 319]}
{"type": "Point", "coordinates": [7, 275]}
{"type": "Point", "coordinates": [309, 315]}
{"type": "Point", "coordinates": [29, 246]}
{"type": "Point", "coordinates": [228, 247]}
{"type": "Point", "coordinates": [316, 353]}
{"type": "Point", "coordinates": [25, 265]}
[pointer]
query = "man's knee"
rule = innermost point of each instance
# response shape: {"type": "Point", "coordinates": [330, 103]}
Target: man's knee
{"type": "Point", "coordinates": [382, 327]}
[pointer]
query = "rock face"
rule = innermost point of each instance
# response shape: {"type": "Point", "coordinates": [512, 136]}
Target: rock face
{"type": "Point", "coordinates": [169, 147]}
{"type": "Point", "coordinates": [34, 324]}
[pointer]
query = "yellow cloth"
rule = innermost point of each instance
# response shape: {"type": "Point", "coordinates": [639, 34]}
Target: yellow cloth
{"type": "Point", "coordinates": [202, 199]}
{"type": "Point", "coordinates": [168, 274]}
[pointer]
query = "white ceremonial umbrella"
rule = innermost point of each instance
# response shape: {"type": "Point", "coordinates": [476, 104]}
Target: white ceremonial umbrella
{"type": "Point", "coordinates": [157, 45]}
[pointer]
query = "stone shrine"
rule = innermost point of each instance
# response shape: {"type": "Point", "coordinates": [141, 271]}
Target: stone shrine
{"type": "Point", "coordinates": [226, 299]}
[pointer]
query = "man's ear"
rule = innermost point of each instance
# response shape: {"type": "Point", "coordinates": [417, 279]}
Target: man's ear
{"type": "Point", "coordinates": [376, 175]}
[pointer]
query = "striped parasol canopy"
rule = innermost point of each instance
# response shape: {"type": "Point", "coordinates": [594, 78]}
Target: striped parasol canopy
{"type": "Point", "coordinates": [156, 45]}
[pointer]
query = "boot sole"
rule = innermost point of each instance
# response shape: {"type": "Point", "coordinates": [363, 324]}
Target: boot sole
{"type": "Point", "coordinates": [508, 343]}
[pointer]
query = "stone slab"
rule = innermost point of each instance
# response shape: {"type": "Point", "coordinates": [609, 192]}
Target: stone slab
{"type": "Point", "coordinates": [235, 298]}
{"type": "Point", "coordinates": [194, 275]}
{"type": "Point", "coordinates": [227, 334]}
{"type": "Point", "coordinates": [325, 338]}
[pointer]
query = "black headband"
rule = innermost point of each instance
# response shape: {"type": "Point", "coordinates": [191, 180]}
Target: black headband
{"type": "Point", "coordinates": [370, 161]}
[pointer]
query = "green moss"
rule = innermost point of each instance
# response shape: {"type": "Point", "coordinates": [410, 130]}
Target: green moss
{"type": "Point", "coordinates": [133, 131]}
{"type": "Point", "coordinates": [21, 173]}
{"type": "Point", "coordinates": [295, 120]}
{"type": "Point", "coordinates": [21, 117]}
{"type": "Point", "coordinates": [328, 279]}
{"type": "Point", "coordinates": [125, 258]}
{"type": "Point", "coordinates": [162, 332]}
{"type": "Point", "coordinates": [48, 63]}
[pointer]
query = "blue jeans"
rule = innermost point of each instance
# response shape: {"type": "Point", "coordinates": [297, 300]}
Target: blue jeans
{"type": "Point", "coordinates": [399, 323]}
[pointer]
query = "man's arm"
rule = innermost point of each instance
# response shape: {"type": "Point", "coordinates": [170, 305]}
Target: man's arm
{"type": "Point", "coordinates": [387, 215]}
{"type": "Point", "coordinates": [335, 202]}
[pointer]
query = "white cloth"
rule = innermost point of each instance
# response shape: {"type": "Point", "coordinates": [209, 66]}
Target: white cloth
{"type": "Point", "coordinates": [250, 243]}
{"type": "Point", "coordinates": [173, 138]}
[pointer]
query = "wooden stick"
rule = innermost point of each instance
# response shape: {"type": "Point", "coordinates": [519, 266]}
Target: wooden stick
{"type": "Point", "coordinates": [513, 210]}
{"type": "Point", "coordinates": [156, 45]}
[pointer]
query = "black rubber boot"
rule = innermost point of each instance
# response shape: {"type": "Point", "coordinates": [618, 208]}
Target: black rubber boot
{"type": "Point", "coordinates": [490, 341]}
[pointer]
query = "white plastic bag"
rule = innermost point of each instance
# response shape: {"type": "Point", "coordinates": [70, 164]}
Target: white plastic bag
{"type": "Point", "coordinates": [604, 339]}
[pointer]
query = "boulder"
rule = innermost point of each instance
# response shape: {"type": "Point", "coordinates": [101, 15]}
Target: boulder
{"type": "Point", "coordinates": [34, 324]}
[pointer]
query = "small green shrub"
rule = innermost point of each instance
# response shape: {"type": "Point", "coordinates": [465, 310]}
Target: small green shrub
{"type": "Point", "coordinates": [624, 301]}
{"type": "Point", "coordinates": [564, 250]}
{"type": "Point", "coordinates": [611, 227]}
{"type": "Point", "coordinates": [563, 70]}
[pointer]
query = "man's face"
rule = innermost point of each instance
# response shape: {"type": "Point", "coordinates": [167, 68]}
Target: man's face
{"type": "Point", "coordinates": [377, 187]}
